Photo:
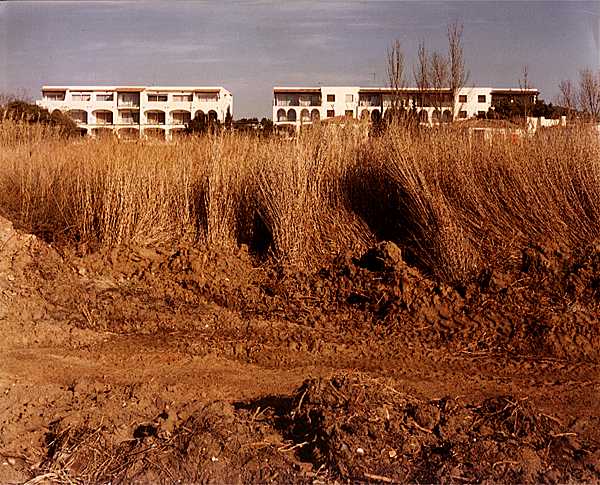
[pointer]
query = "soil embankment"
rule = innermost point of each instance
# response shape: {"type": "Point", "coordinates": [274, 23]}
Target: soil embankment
{"type": "Point", "coordinates": [140, 365]}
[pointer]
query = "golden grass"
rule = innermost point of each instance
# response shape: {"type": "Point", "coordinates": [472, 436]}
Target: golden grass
{"type": "Point", "coordinates": [451, 204]}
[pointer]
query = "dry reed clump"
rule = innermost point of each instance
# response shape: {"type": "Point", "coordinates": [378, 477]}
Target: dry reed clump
{"type": "Point", "coordinates": [457, 203]}
{"type": "Point", "coordinates": [452, 204]}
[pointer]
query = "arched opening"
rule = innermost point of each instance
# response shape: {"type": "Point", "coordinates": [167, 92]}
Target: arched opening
{"type": "Point", "coordinates": [155, 117]}
{"type": "Point", "coordinates": [423, 116]}
{"type": "Point", "coordinates": [281, 116]}
{"type": "Point", "coordinates": [180, 117]}
{"type": "Point", "coordinates": [305, 116]}
{"type": "Point", "coordinates": [78, 116]}
{"type": "Point", "coordinates": [375, 116]}
{"type": "Point", "coordinates": [129, 133]}
{"type": "Point", "coordinates": [447, 116]}
{"type": "Point", "coordinates": [103, 117]}
{"type": "Point", "coordinates": [315, 115]}
{"type": "Point", "coordinates": [436, 116]}
{"type": "Point", "coordinates": [213, 116]}
{"type": "Point", "coordinates": [178, 134]}
{"type": "Point", "coordinates": [155, 133]}
{"type": "Point", "coordinates": [198, 113]}
{"type": "Point", "coordinates": [102, 132]}
{"type": "Point", "coordinates": [291, 115]}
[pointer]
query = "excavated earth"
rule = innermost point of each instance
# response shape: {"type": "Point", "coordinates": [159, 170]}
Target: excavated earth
{"type": "Point", "coordinates": [177, 365]}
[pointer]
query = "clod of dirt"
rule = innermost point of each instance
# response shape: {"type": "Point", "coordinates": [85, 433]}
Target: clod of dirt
{"type": "Point", "coordinates": [385, 256]}
{"type": "Point", "coordinates": [360, 428]}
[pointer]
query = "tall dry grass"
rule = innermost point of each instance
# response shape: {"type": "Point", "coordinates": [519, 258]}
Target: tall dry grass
{"type": "Point", "coordinates": [450, 203]}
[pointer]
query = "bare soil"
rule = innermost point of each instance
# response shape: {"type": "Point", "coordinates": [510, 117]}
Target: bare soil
{"type": "Point", "coordinates": [167, 365]}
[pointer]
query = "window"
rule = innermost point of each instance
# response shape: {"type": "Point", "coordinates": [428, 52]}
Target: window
{"type": "Point", "coordinates": [349, 113]}
{"type": "Point", "coordinates": [349, 98]}
{"type": "Point", "coordinates": [481, 98]}
{"type": "Point", "coordinates": [104, 97]}
{"type": "Point", "coordinates": [462, 114]}
{"type": "Point", "coordinates": [181, 118]}
{"type": "Point", "coordinates": [155, 118]}
{"type": "Point", "coordinates": [104, 118]}
{"type": "Point", "coordinates": [155, 97]}
{"type": "Point", "coordinates": [481, 114]}
{"type": "Point", "coordinates": [210, 97]}
{"type": "Point", "coordinates": [54, 95]}
{"type": "Point", "coordinates": [78, 116]}
{"type": "Point", "coordinates": [128, 99]}
{"type": "Point", "coordinates": [81, 96]}
{"type": "Point", "coordinates": [462, 98]}
{"type": "Point", "coordinates": [331, 98]}
{"type": "Point", "coordinates": [130, 117]}
{"type": "Point", "coordinates": [182, 97]}
{"type": "Point", "coordinates": [330, 113]}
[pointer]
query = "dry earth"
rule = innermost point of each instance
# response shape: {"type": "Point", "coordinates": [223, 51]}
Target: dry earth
{"type": "Point", "coordinates": [139, 365]}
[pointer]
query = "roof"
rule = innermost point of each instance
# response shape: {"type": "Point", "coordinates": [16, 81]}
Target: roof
{"type": "Point", "coordinates": [279, 89]}
{"type": "Point", "coordinates": [134, 88]}
{"type": "Point", "coordinates": [515, 91]}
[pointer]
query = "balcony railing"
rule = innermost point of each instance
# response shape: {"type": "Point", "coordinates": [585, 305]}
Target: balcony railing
{"type": "Point", "coordinates": [128, 104]}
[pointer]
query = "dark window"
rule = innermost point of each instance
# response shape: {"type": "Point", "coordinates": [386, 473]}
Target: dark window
{"type": "Point", "coordinates": [481, 98]}
{"type": "Point", "coordinates": [330, 113]}
{"type": "Point", "coordinates": [462, 114]}
{"type": "Point", "coordinates": [349, 113]}
{"type": "Point", "coordinates": [157, 97]}
{"type": "Point", "coordinates": [462, 98]}
{"type": "Point", "coordinates": [481, 114]}
{"type": "Point", "coordinates": [331, 98]}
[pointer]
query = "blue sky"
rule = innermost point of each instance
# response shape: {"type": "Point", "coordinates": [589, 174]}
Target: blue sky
{"type": "Point", "coordinates": [250, 46]}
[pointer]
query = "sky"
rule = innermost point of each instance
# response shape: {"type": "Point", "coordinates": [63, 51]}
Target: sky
{"type": "Point", "coordinates": [250, 46]}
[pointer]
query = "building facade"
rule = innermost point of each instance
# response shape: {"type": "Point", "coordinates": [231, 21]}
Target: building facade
{"type": "Point", "coordinates": [137, 111]}
{"type": "Point", "coordinates": [295, 106]}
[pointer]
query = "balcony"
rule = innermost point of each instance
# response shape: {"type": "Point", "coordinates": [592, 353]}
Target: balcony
{"type": "Point", "coordinates": [103, 117]}
{"type": "Point", "coordinates": [155, 118]}
{"type": "Point", "coordinates": [297, 100]}
{"type": "Point", "coordinates": [128, 100]}
{"type": "Point", "coordinates": [180, 117]}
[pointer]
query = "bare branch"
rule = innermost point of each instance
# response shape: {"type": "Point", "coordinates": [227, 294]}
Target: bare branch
{"type": "Point", "coordinates": [421, 69]}
{"type": "Point", "coordinates": [567, 96]}
{"type": "Point", "coordinates": [459, 76]}
{"type": "Point", "coordinates": [588, 97]}
{"type": "Point", "coordinates": [439, 74]}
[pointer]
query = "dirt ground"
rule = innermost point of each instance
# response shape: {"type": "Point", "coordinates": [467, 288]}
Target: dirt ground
{"type": "Point", "coordinates": [139, 365]}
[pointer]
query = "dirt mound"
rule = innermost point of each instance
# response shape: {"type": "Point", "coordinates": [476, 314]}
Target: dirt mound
{"type": "Point", "coordinates": [209, 443]}
{"type": "Point", "coordinates": [347, 427]}
{"type": "Point", "coordinates": [160, 364]}
{"type": "Point", "coordinates": [363, 429]}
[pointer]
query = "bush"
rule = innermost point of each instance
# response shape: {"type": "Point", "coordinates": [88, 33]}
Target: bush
{"type": "Point", "coordinates": [23, 112]}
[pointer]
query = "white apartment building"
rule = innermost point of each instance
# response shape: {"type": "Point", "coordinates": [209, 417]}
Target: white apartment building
{"type": "Point", "coordinates": [137, 111]}
{"type": "Point", "coordinates": [295, 106]}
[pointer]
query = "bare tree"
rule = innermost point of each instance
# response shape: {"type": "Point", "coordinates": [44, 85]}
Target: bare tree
{"type": "Point", "coordinates": [588, 96]}
{"type": "Point", "coordinates": [421, 70]}
{"type": "Point", "coordinates": [459, 75]}
{"type": "Point", "coordinates": [525, 86]}
{"type": "Point", "coordinates": [439, 75]}
{"type": "Point", "coordinates": [568, 96]}
{"type": "Point", "coordinates": [395, 72]}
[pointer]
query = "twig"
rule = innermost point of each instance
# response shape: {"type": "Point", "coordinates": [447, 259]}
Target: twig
{"type": "Point", "coordinates": [379, 478]}
{"type": "Point", "coordinates": [504, 462]}
{"type": "Point", "coordinates": [430, 431]}
{"type": "Point", "coordinates": [552, 418]}
{"type": "Point", "coordinates": [286, 448]}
